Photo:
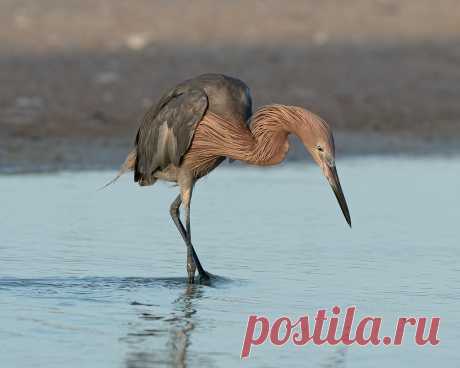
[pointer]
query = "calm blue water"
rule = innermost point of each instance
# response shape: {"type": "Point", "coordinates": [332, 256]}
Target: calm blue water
{"type": "Point", "coordinates": [96, 279]}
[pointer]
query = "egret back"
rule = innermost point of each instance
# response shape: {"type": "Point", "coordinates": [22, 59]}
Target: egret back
{"type": "Point", "coordinates": [167, 129]}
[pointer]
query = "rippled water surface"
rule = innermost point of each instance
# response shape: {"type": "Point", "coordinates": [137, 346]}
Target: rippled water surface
{"type": "Point", "coordinates": [97, 278]}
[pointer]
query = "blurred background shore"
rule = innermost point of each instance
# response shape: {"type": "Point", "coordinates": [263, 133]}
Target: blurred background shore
{"type": "Point", "coordinates": [77, 75]}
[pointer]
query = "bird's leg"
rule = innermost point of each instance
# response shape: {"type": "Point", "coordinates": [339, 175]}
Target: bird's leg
{"type": "Point", "coordinates": [174, 211]}
{"type": "Point", "coordinates": [191, 266]}
{"type": "Point", "coordinates": [186, 194]}
{"type": "Point", "coordinates": [191, 254]}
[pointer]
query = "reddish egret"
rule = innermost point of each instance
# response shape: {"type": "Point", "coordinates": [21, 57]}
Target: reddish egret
{"type": "Point", "coordinates": [204, 120]}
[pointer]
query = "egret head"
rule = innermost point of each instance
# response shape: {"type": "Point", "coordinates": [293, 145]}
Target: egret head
{"type": "Point", "coordinates": [317, 138]}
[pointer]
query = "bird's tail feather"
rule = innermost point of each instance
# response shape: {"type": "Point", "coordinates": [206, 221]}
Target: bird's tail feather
{"type": "Point", "coordinates": [128, 165]}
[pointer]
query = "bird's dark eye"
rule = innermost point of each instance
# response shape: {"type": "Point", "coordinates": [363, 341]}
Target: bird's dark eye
{"type": "Point", "coordinates": [319, 148]}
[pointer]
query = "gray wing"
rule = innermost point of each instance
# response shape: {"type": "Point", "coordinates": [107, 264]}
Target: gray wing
{"type": "Point", "coordinates": [166, 132]}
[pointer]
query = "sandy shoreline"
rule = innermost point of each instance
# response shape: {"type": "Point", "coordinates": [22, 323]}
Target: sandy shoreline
{"type": "Point", "coordinates": [66, 154]}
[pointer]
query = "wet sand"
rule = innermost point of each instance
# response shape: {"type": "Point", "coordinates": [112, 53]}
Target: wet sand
{"type": "Point", "coordinates": [78, 75]}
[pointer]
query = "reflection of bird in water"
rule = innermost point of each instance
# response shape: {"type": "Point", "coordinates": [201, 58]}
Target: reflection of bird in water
{"type": "Point", "coordinates": [179, 326]}
{"type": "Point", "coordinates": [200, 122]}
{"type": "Point", "coordinates": [181, 329]}
{"type": "Point", "coordinates": [335, 358]}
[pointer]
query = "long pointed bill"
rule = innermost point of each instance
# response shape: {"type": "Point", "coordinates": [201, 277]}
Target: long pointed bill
{"type": "Point", "coordinates": [331, 174]}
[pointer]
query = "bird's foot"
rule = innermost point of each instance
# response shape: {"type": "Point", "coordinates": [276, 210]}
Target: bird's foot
{"type": "Point", "coordinates": [191, 280]}
{"type": "Point", "coordinates": [204, 277]}
{"type": "Point", "coordinates": [191, 269]}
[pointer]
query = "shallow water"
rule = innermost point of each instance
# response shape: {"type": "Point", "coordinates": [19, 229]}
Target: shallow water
{"type": "Point", "coordinates": [97, 278]}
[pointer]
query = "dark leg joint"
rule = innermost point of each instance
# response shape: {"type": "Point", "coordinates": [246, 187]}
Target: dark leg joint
{"type": "Point", "coordinates": [174, 208]}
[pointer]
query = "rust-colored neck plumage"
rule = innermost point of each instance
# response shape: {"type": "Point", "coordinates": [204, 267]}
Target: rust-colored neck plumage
{"type": "Point", "coordinates": [265, 142]}
{"type": "Point", "coordinates": [270, 127]}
